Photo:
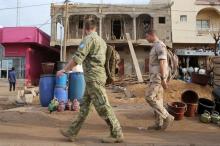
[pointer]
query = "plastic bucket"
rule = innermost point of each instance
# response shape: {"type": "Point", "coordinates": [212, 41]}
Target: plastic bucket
{"type": "Point", "coordinates": [217, 106]}
{"type": "Point", "coordinates": [205, 104]}
{"type": "Point", "coordinates": [61, 94]}
{"type": "Point", "coordinates": [177, 109]}
{"type": "Point", "coordinates": [76, 85]}
{"type": "Point", "coordinates": [190, 98]}
{"type": "Point", "coordinates": [177, 116]}
{"type": "Point", "coordinates": [46, 85]}
{"type": "Point", "coordinates": [61, 80]}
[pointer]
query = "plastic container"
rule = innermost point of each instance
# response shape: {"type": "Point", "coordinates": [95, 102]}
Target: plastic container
{"type": "Point", "coordinates": [177, 109]}
{"type": "Point", "coordinates": [217, 106]}
{"type": "Point", "coordinates": [46, 85]}
{"type": "Point", "coordinates": [76, 86]}
{"type": "Point", "coordinates": [61, 94]}
{"type": "Point", "coordinates": [61, 80]}
{"type": "Point", "coordinates": [190, 98]}
{"type": "Point", "coordinates": [60, 65]}
{"type": "Point", "coordinates": [205, 104]}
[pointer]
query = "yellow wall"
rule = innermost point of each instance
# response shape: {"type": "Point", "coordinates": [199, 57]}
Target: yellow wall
{"type": "Point", "coordinates": [186, 32]}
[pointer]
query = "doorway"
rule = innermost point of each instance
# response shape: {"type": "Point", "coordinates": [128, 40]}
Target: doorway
{"type": "Point", "coordinates": [116, 29]}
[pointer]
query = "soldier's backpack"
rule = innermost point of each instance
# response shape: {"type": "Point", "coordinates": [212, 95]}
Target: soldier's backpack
{"type": "Point", "coordinates": [173, 63]}
{"type": "Point", "coordinates": [111, 64]}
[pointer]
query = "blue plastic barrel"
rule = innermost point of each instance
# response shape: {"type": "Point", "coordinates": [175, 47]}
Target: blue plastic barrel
{"type": "Point", "coordinates": [61, 94]}
{"type": "Point", "coordinates": [47, 84]}
{"type": "Point", "coordinates": [76, 85]}
{"type": "Point", "coordinates": [61, 80]}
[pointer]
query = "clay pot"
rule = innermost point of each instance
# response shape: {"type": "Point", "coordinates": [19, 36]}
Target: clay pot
{"type": "Point", "coordinates": [48, 68]}
{"type": "Point", "coordinates": [69, 105]}
{"type": "Point", "coordinates": [61, 107]}
{"type": "Point", "coordinates": [75, 105]}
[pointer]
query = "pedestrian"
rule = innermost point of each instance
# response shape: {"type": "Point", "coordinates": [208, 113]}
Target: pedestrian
{"type": "Point", "coordinates": [12, 79]}
{"type": "Point", "coordinates": [91, 53]}
{"type": "Point", "coordinates": [158, 68]}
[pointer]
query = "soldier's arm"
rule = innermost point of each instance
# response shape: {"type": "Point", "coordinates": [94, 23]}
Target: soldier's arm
{"type": "Point", "coordinates": [163, 68]}
{"type": "Point", "coordinates": [82, 51]}
{"type": "Point", "coordinates": [162, 57]}
{"type": "Point", "coordinates": [80, 55]}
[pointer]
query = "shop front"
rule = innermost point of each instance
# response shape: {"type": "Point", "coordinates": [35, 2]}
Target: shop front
{"type": "Point", "coordinates": [25, 48]}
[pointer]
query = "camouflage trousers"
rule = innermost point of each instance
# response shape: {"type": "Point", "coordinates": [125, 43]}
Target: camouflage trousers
{"type": "Point", "coordinates": [95, 94]}
{"type": "Point", "coordinates": [154, 96]}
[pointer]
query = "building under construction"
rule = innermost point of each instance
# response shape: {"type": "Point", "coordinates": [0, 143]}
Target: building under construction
{"type": "Point", "coordinates": [114, 22]}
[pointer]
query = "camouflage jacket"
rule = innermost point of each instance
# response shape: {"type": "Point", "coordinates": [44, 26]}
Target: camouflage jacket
{"type": "Point", "coordinates": [91, 53]}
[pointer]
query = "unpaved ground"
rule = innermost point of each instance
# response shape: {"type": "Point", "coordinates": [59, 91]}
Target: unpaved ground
{"type": "Point", "coordinates": [33, 125]}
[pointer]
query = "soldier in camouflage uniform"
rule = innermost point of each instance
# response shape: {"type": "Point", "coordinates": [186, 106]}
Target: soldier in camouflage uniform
{"type": "Point", "coordinates": [92, 54]}
{"type": "Point", "coordinates": [158, 68]}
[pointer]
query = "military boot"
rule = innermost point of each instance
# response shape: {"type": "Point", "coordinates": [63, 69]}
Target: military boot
{"type": "Point", "coordinates": [168, 122]}
{"type": "Point", "coordinates": [68, 135]}
{"type": "Point", "coordinates": [111, 139]}
{"type": "Point", "coordinates": [154, 127]}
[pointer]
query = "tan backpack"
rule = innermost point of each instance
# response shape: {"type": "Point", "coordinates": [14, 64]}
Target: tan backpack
{"type": "Point", "coordinates": [173, 64]}
{"type": "Point", "coordinates": [111, 64]}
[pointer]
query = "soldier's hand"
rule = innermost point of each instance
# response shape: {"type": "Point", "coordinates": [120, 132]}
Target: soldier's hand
{"type": "Point", "coordinates": [60, 73]}
{"type": "Point", "coordinates": [164, 84]}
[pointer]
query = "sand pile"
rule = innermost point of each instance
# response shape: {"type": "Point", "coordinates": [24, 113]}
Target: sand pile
{"type": "Point", "coordinates": [173, 93]}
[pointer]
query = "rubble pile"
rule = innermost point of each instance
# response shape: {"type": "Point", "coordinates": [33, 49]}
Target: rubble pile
{"type": "Point", "coordinates": [28, 95]}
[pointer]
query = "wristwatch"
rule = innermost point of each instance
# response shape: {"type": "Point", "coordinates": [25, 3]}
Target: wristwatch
{"type": "Point", "coordinates": [163, 77]}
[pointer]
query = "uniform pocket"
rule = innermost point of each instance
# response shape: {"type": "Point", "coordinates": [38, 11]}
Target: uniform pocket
{"type": "Point", "coordinates": [97, 93]}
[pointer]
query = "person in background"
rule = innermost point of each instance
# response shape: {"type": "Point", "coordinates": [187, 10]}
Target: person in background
{"type": "Point", "coordinates": [158, 68]}
{"type": "Point", "coordinates": [12, 79]}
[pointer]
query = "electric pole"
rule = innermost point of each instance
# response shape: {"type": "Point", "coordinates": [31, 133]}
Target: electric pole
{"type": "Point", "coordinates": [65, 29]}
{"type": "Point", "coordinates": [18, 13]}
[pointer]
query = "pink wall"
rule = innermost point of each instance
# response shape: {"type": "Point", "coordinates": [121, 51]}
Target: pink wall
{"type": "Point", "coordinates": [31, 43]}
{"type": "Point", "coordinates": [24, 35]}
{"type": "Point", "coordinates": [15, 50]}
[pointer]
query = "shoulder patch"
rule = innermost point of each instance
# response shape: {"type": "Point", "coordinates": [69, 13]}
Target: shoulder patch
{"type": "Point", "coordinates": [82, 45]}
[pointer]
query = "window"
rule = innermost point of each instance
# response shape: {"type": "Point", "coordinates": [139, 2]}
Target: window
{"type": "Point", "coordinates": [162, 20]}
{"type": "Point", "coordinates": [80, 23]}
{"type": "Point", "coordinates": [202, 24]}
{"type": "Point", "coordinates": [183, 18]}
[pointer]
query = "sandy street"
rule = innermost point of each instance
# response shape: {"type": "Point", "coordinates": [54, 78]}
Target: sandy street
{"type": "Point", "coordinates": [33, 125]}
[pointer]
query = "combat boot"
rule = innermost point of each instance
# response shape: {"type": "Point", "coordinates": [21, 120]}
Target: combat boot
{"type": "Point", "coordinates": [168, 122]}
{"type": "Point", "coordinates": [154, 127]}
{"type": "Point", "coordinates": [111, 139]}
{"type": "Point", "coordinates": [68, 135]}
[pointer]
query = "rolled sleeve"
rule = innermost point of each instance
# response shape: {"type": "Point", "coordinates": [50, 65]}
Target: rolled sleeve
{"type": "Point", "coordinates": [161, 52]}
{"type": "Point", "coordinates": [82, 51]}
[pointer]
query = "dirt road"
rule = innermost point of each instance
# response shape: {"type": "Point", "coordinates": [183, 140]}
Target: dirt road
{"type": "Point", "coordinates": [34, 126]}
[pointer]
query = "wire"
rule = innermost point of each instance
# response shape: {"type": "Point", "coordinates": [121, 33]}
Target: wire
{"type": "Point", "coordinates": [20, 7]}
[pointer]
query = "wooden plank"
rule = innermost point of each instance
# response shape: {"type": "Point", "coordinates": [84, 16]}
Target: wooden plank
{"type": "Point", "coordinates": [134, 58]}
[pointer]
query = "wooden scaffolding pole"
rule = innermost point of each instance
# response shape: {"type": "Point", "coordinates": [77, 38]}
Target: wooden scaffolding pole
{"type": "Point", "coordinates": [134, 58]}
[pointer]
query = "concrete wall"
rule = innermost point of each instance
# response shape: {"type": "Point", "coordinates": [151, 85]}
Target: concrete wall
{"type": "Point", "coordinates": [142, 53]}
{"type": "Point", "coordinates": [186, 32]}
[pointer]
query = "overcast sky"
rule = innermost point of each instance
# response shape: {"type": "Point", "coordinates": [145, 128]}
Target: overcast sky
{"type": "Point", "coordinates": [38, 15]}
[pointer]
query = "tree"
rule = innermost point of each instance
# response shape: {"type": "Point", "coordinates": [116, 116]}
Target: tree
{"type": "Point", "coordinates": [215, 33]}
